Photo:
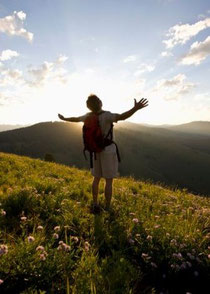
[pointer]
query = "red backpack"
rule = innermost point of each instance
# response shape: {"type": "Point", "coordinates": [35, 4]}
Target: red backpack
{"type": "Point", "coordinates": [94, 140]}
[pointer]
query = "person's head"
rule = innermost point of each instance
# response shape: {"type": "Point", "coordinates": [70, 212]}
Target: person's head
{"type": "Point", "coordinates": [94, 103]}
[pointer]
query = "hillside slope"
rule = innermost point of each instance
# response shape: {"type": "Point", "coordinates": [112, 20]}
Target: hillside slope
{"type": "Point", "coordinates": [154, 239]}
{"type": "Point", "coordinates": [161, 155]}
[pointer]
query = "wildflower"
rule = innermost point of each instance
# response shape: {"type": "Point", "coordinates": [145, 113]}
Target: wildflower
{"type": "Point", "coordinates": [135, 220]}
{"type": "Point", "coordinates": [173, 242]}
{"type": "Point", "coordinates": [40, 248]}
{"type": "Point", "coordinates": [3, 249]}
{"type": "Point", "coordinates": [31, 239]}
{"type": "Point", "coordinates": [137, 235]}
{"type": "Point", "coordinates": [183, 265]}
{"type": "Point", "coordinates": [1, 281]}
{"type": "Point", "coordinates": [156, 226]}
{"type": "Point", "coordinates": [42, 257]}
{"type": "Point", "coordinates": [131, 241]}
{"type": "Point", "coordinates": [208, 256]}
{"type": "Point", "coordinates": [40, 228]}
{"type": "Point", "coordinates": [149, 237]}
{"type": "Point", "coordinates": [132, 213]}
{"type": "Point", "coordinates": [190, 256]}
{"type": "Point", "coordinates": [156, 216]}
{"type": "Point", "coordinates": [57, 229]}
{"type": "Point", "coordinates": [3, 212]}
{"type": "Point", "coordinates": [87, 246]}
{"type": "Point", "coordinates": [145, 256]}
{"type": "Point", "coordinates": [189, 264]}
{"type": "Point", "coordinates": [153, 264]}
{"type": "Point", "coordinates": [23, 218]}
{"type": "Point", "coordinates": [75, 239]}
{"type": "Point", "coordinates": [55, 236]}
{"type": "Point", "coordinates": [167, 234]}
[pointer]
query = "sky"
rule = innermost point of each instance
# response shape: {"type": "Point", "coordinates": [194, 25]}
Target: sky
{"type": "Point", "coordinates": [54, 53]}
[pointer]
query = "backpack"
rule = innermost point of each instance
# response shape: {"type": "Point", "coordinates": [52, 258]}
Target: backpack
{"type": "Point", "coordinates": [93, 139]}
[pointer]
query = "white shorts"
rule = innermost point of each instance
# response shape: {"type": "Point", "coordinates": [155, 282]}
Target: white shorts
{"type": "Point", "coordinates": [106, 163]}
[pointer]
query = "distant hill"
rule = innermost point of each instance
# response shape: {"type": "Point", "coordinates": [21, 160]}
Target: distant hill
{"type": "Point", "coordinates": [196, 127]}
{"type": "Point", "coordinates": [161, 155]}
{"type": "Point", "coordinates": [10, 127]}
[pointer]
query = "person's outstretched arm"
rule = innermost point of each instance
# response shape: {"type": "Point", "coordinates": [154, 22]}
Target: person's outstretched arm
{"type": "Point", "coordinates": [137, 105]}
{"type": "Point", "coordinates": [71, 119]}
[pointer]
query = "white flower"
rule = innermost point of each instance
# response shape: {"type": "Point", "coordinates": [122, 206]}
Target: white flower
{"type": "Point", "coordinates": [57, 229]}
{"type": "Point", "coordinates": [31, 239]}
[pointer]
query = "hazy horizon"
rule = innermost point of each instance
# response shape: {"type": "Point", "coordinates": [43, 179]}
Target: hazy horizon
{"type": "Point", "coordinates": [53, 54]}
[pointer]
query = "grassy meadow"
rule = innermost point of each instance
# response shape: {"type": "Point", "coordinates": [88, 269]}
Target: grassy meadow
{"type": "Point", "coordinates": [154, 240]}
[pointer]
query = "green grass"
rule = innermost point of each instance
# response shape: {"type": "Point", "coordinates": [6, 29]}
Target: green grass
{"type": "Point", "coordinates": [154, 240]}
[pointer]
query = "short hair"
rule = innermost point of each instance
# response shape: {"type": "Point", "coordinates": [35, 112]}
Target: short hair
{"type": "Point", "coordinates": [93, 103]}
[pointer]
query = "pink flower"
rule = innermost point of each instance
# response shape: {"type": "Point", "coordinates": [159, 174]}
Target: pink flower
{"type": "Point", "coordinates": [145, 256]}
{"type": "Point", "coordinates": [43, 256]}
{"type": "Point", "coordinates": [3, 249]}
{"type": "Point", "coordinates": [75, 239]}
{"type": "Point", "coordinates": [57, 229]}
{"type": "Point", "coordinates": [3, 212]}
{"type": "Point", "coordinates": [31, 239]}
{"type": "Point", "coordinates": [55, 236]}
{"type": "Point", "coordinates": [132, 213]}
{"type": "Point", "coordinates": [131, 241]}
{"type": "Point", "coordinates": [156, 226]}
{"type": "Point", "coordinates": [153, 264]}
{"type": "Point", "coordinates": [1, 281]}
{"type": "Point", "coordinates": [40, 228]}
{"type": "Point", "coordinates": [40, 248]}
{"type": "Point", "coordinates": [87, 246]}
{"type": "Point", "coordinates": [63, 246]}
{"type": "Point", "coordinates": [23, 218]}
{"type": "Point", "coordinates": [149, 237]}
{"type": "Point", "coordinates": [135, 220]}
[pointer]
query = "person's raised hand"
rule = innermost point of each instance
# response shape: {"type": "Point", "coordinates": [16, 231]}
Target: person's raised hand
{"type": "Point", "coordinates": [141, 104]}
{"type": "Point", "coordinates": [60, 116]}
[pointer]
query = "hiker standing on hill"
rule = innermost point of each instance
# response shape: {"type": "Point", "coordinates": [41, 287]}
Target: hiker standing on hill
{"type": "Point", "coordinates": [98, 140]}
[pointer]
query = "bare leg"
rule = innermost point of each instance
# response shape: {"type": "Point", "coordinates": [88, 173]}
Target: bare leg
{"type": "Point", "coordinates": [95, 185]}
{"type": "Point", "coordinates": [108, 192]}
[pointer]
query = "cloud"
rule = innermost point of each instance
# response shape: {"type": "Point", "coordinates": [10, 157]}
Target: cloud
{"type": "Point", "coordinates": [11, 77]}
{"type": "Point", "coordinates": [172, 89]}
{"type": "Point", "coordinates": [143, 68]}
{"type": "Point", "coordinates": [13, 25]}
{"type": "Point", "coordinates": [130, 58]}
{"type": "Point", "coordinates": [8, 54]}
{"type": "Point", "coordinates": [61, 59]}
{"type": "Point", "coordinates": [199, 51]}
{"type": "Point", "coordinates": [166, 54]}
{"type": "Point", "coordinates": [181, 33]}
{"type": "Point", "coordinates": [39, 75]}
{"type": "Point", "coordinates": [48, 71]}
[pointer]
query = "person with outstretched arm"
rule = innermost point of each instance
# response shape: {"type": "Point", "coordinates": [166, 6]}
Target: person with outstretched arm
{"type": "Point", "coordinates": [105, 162]}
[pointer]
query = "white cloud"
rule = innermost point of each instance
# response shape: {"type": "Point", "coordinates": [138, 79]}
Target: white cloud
{"type": "Point", "coordinates": [199, 51]}
{"type": "Point", "coordinates": [13, 25]}
{"type": "Point", "coordinates": [172, 89]}
{"type": "Point", "coordinates": [166, 54]}
{"type": "Point", "coordinates": [39, 75]}
{"type": "Point", "coordinates": [8, 54]}
{"type": "Point", "coordinates": [11, 77]}
{"type": "Point", "coordinates": [130, 58]}
{"type": "Point", "coordinates": [61, 59]}
{"type": "Point", "coordinates": [181, 33]}
{"type": "Point", "coordinates": [143, 68]}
